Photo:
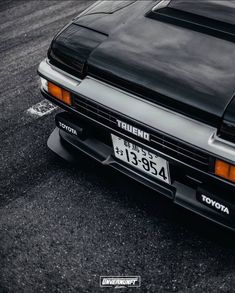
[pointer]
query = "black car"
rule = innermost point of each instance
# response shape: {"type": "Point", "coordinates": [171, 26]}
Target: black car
{"type": "Point", "coordinates": [147, 87]}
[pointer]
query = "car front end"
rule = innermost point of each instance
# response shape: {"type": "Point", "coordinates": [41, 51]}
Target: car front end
{"type": "Point", "coordinates": [182, 156]}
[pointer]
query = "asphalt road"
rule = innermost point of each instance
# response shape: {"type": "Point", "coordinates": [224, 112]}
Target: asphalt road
{"type": "Point", "coordinates": [63, 226]}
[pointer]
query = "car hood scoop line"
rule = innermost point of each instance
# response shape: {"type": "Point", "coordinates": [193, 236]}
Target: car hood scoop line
{"type": "Point", "coordinates": [192, 16]}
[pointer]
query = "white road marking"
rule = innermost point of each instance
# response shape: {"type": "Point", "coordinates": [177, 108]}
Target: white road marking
{"type": "Point", "coordinates": [42, 108]}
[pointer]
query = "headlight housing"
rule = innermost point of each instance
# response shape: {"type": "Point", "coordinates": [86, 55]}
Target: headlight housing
{"type": "Point", "coordinates": [71, 48]}
{"type": "Point", "coordinates": [227, 131]}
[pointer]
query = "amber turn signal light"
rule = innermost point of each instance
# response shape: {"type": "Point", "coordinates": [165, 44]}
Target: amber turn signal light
{"type": "Point", "coordinates": [225, 170]}
{"type": "Point", "coordinates": [59, 93]}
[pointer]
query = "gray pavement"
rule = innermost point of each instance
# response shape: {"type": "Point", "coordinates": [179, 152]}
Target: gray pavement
{"type": "Point", "coordinates": [63, 226]}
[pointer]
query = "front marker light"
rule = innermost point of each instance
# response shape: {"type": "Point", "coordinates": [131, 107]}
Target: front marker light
{"type": "Point", "coordinates": [44, 83]}
{"type": "Point", "coordinates": [59, 93]}
{"type": "Point", "coordinates": [66, 97]}
{"type": "Point", "coordinates": [225, 170]}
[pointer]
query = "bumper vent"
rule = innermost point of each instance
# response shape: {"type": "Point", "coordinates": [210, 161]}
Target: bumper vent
{"type": "Point", "coordinates": [163, 143]}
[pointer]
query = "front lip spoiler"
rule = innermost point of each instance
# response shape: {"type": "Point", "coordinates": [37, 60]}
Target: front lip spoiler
{"type": "Point", "coordinates": [179, 193]}
{"type": "Point", "coordinates": [190, 131]}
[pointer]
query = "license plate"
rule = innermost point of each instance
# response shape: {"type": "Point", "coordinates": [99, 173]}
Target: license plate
{"type": "Point", "coordinates": [141, 159]}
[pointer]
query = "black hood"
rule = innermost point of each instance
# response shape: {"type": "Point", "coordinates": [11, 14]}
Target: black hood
{"type": "Point", "coordinates": [189, 70]}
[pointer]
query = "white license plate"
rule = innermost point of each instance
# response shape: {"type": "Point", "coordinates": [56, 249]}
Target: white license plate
{"type": "Point", "coordinates": [141, 159]}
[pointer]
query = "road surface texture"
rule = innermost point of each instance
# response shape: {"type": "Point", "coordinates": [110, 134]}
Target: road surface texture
{"type": "Point", "coordinates": [64, 226]}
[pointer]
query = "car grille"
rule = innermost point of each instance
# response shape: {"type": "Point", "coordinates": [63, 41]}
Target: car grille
{"type": "Point", "coordinates": [163, 143]}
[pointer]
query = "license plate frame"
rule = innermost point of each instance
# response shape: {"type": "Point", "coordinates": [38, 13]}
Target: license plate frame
{"type": "Point", "coordinates": [141, 159]}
